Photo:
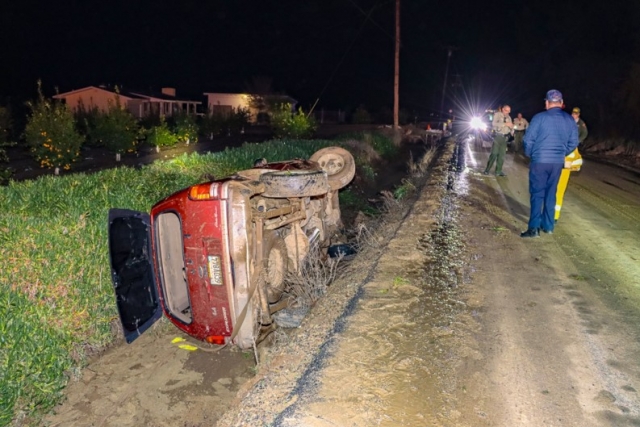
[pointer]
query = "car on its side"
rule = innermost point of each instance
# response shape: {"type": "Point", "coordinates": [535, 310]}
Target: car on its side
{"type": "Point", "coordinates": [215, 257]}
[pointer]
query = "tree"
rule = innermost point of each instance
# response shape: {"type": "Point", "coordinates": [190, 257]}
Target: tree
{"type": "Point", "coordinates": [629, 96]}
{"type": "Point", "coordinates": [161, 135]}
{"type": "Point", "coordinates": [286, 124]}
{"type": "Point", "coordinates": [116, 129]}
{"type": "Point", "coordinates": [185, 127]}
{"type": "Point", "coordinates": [51, 134]}
{"type": "Point", "coordinates": [5, 130]}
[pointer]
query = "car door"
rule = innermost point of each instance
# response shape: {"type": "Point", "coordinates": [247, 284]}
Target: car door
{"type": "Point", "coordinates": [132, 271]}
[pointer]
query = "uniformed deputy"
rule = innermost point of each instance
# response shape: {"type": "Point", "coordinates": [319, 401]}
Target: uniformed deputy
{"type": "Point", "coordinates": [582, 126]}
{"type": "Point", "coordinates": [520, 124]}
{"type": "Point", "coordinates": [572, 163]}
{"type": "Point", "coordinates": [502, 127]}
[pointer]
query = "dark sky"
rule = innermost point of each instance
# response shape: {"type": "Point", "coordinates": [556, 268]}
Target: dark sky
{"type": "Point", "coordinates": [340, 51]}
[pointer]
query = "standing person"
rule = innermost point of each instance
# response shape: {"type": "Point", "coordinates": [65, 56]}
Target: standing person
{"type": "Point", "coordinates": [572, 163]}
{"type": "Point", "coordinates": [551, 136]}
{"type": "Point", "coordinates": [582, 126]}
{"type": "Point", "coordinates": [520, 124]}
{"type": "Point", "coordinates": [502, 126]}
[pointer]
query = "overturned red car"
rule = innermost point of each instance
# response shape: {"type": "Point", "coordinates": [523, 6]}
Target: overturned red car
{"type": "Point", "coordinates": [214, 257]}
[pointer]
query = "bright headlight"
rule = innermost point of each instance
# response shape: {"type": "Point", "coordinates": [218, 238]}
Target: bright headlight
{"type": "Point", "coordinates": [477, 123]}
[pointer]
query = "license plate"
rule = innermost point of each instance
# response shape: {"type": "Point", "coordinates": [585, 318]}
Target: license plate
{"type": "Point", "coordinates": [215, 270]}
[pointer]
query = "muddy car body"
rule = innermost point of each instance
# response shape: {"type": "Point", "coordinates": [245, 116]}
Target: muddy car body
{"type": "Point", "coordinates": [214, 257]}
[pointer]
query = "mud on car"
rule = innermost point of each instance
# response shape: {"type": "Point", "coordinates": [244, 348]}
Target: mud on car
{"type": "Point", "coordinates": [215, 257]}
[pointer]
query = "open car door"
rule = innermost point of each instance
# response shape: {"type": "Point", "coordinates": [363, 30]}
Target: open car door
{"type": "Point", "coordinates": [132, 271]}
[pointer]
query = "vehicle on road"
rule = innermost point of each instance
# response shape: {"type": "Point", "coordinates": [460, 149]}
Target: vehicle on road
{"type": "Point", "coordinates": [481, 130]}
{"type": "Point", "coordinates": [215, 257]}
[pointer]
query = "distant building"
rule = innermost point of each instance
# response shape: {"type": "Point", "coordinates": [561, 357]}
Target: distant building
{"type": "Point", "coordinates": [225, 104]}
{"type": "Point", "coordinates": [165, 103]}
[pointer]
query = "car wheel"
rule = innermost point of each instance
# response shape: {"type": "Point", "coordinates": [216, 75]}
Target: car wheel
{"type": "Point", "coordinates": [295, 183]}
{"type": "Point", "coordinates": [339, 165]}
{"type": "Point", "coordinates": [276, 260]}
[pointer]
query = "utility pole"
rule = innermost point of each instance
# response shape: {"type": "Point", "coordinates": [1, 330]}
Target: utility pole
{"type": "Point", "coordinates": [450, 50]}
{"type": "Point", "coordinates": [396, 75]}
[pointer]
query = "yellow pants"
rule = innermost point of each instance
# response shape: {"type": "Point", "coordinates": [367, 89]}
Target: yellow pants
{"type": "Point", "coordinates": [562, 186]}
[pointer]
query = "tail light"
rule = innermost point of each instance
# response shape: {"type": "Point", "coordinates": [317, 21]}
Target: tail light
{"type": "Point", "coordinates": [215, 339]}
{"type": "Point", "coordinates": [201, 192]}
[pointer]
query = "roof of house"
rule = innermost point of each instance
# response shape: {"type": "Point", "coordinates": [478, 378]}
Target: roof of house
{"type": "Point", "coordinates": [126, 94]}
{"type": "Point", "coordinates": [122, 93]}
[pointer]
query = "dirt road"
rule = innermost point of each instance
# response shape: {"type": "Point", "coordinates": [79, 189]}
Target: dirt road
{"type": "Point", "coordinates": [463, 323]}
{"type": "Point", "coordinates": [449, 318]}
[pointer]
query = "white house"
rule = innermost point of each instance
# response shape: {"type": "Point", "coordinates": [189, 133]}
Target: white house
{"type": "Point", "coordinates": [226, 103]}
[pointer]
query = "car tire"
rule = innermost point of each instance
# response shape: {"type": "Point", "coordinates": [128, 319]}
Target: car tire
{"type": "Point", "coordinates": [339, 165]}
{"type": "Point", "coordinates": [295, 183]}
{"type": "Point", "coordinates": [276, 261]}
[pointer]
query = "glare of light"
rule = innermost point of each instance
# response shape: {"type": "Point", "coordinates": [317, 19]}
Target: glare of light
{"type": "Point", "coordinates": [471, 158]}
{"type": "Point", "coordinates": [477, 123]}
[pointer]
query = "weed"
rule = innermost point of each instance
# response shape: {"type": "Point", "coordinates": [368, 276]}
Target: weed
{"type": "Point", "coordinates": [578, 277]}
{"type": "Point", "coordinates": [404, 190]}
{"type": "Point", "coordinates": [399, 281]}
{"type": "Point", "coordinates": [311, 282]}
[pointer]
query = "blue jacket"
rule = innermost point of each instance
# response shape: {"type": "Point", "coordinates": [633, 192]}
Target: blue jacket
{"type": "Point", "coordinates": [550, 137]}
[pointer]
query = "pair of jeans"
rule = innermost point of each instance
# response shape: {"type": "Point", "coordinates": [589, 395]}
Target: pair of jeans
{"type": "Point", "coordinates": [543, 182]}
{"type": "Point", "coordinates": [498, 152]}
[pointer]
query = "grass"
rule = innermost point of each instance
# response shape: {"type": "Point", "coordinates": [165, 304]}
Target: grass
{"type": "Point", "coordinates": [56, 301]}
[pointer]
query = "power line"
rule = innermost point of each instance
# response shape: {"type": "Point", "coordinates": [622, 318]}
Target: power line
{"type": "Point", "coordinates": [343, 58]}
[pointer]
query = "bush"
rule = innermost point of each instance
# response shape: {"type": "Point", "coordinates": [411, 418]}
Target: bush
{"type": "Point", "coordinates": [212, 125]}
{"type": "Point", "coordinates": [5, 129]}
{"type": "Point", "coordinates": [238, 120]}
{"type": "Point", "coordinates": [361, 116]}
{"type": "Point", "coordinates": [86, 121]}
{"type": "Point", "coordinates": [6, 124]}
{"type": "Point", "coordinates": [161, 135]}
{"type": "Point", "coordinates": [215, 124]}
{"type": "Point", "coordinates": [185, 128]}
{"type": "Point", "coordinates": [116, 129]}
{"type": "Point", "coordinates": [291, 125]}
{"type": "Point", "coordinates": [50, 133]}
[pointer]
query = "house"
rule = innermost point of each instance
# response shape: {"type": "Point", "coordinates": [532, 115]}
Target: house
{"type": "Point", "coordinates": [165, 103]}
{"type": "Point", "coordinates": [225, 104]}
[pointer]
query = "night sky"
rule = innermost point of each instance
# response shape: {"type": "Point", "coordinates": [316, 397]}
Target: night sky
{"type": "Point", "coordinates": [340, 51]}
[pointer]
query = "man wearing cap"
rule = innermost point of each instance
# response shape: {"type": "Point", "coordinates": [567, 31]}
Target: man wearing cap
{"type": "Point", "coordinates": [551, 136]}
{"type": "Point", "coordinates": [502, 127]}
{"type": "Point", "coordinates": [572, 163]}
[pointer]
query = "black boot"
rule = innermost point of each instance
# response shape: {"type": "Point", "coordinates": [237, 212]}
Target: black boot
{"type": "Point", "coordinates": [530, 233]}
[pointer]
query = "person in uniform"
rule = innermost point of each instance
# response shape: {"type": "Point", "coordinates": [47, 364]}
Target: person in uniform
{"type": "Point", "coordinates": [572, 163]}
{"type": "Point", "coordinates": [502, 127]}
{"type": "Point", "coordinates": [551, 136]}
{"type": "Point", "coordinates": [582, 126]}
{"type": "Point", "coordinates": [520, 124]}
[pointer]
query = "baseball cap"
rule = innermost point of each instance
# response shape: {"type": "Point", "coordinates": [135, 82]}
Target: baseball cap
{"type": "Point", "coordinates": [575, 110]}
{"type": "Point", "coordinates": [553, 96]}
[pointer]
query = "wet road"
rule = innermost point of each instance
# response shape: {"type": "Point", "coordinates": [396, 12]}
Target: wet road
{"type": "Point", "coordinates": [581, 341]}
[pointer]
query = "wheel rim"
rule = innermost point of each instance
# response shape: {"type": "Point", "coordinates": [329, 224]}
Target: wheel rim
{"type": "Point", "coordinates": [331, 163]}
{"type": "Point", "coordinates": [275, 268]}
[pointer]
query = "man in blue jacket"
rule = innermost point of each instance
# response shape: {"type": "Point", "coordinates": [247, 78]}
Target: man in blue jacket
{"type": "Point", "coordinates": [551, 136]}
